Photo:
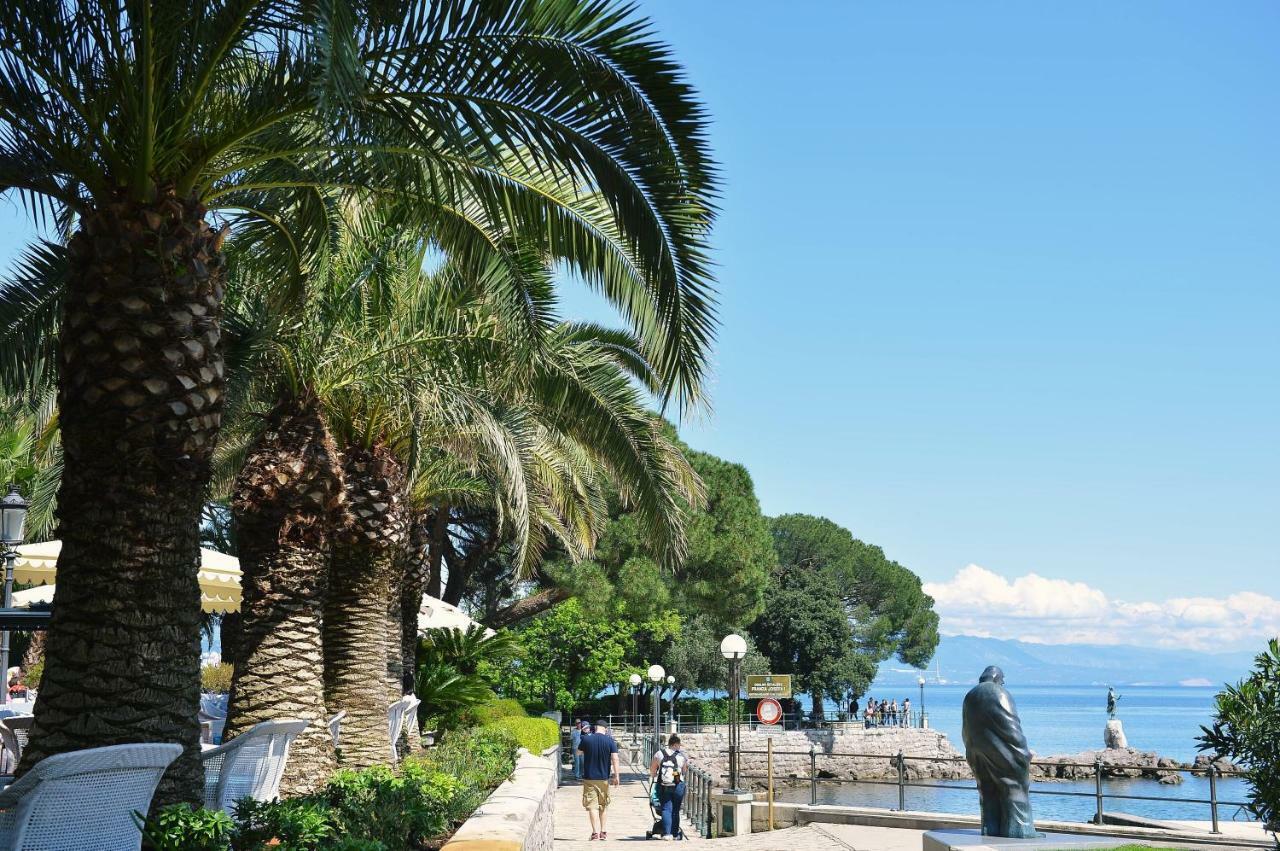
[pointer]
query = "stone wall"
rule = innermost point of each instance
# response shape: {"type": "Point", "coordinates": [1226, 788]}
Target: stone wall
{"type": "Point", "coordinates": [875, 749]}
{"type": "Point", "coordinates": [520, 814]}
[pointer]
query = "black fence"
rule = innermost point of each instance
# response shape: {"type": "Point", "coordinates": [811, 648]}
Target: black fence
{"type": "Point", "coordinates": [643, 724]}
{"type": "Point", "coordinates": [900, 760]}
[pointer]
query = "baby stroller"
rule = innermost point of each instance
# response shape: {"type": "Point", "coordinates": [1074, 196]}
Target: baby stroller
{"type": "Point", "coordinates": [655, 832]}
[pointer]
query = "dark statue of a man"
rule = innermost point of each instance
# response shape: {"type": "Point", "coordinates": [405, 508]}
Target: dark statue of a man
{"type": "Point", "coordinates": [997, 752]}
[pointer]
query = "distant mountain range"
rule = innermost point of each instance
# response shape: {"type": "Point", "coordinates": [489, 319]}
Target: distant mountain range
{"type": "Point", "coordinates": [960, 658]}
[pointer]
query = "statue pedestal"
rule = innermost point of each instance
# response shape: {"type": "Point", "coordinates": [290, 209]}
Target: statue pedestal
{"type": "Point", "coordinates": [1113, 735]}
{"type": "Point", "coordinates": [973, 840]}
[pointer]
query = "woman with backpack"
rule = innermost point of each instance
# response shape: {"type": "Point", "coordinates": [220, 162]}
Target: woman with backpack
{"type": "Point", "coordinates": [667, 785]}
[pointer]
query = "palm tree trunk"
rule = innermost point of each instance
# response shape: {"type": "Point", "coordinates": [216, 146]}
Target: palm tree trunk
{"type": "Point", "coordinates": [140, 394]}
{"type": "Point", "coordinates": [284, 502]}
{"type": "Point", "coordinates": [405, 636]}
{"type": "Point", "coordinates": [439, 530]}
{"type": "Point", "coordinates": [415, 582]}
{"type": "Point", "coordinates": [355, 624]}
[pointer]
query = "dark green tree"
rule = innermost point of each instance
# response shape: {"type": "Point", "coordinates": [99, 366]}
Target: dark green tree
{"type": "Point", "coordinates": [723, 575]}
{"type": "Point", "coordinates": [1246, 729]}
{"type": "Point", "coordinates": [693, 657]}
{"type": "Point", "coordinates": [838, 607]}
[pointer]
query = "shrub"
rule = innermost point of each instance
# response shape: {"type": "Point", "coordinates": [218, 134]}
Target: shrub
{"type": "Point", "coordinates": [395, 808]}
{"type": "Point", "coordinates": [297, 824]}
{"type": "Point", "coordinates": [378, 809]}
{"type": "Point", "coordinates": [497, 709]}
{"type": "Point", "coordinates": [533, 734]}
{"type": "Point", "coordinates": [178, 827]}
{"type": "Point", "coordinates": [480, 759]}
{"type": "Point", "coordinates": [1246, 728]}
{"type": "Point", "coordinates": [534, 707]}
{"type": "Point", "coordinates": [216, 678]}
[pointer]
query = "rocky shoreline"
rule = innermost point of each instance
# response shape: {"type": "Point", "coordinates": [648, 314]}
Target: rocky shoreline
{"type": "Point", "coordinates": [1123, 762]}
{"type": "Point", "coordinates": [929, 754]}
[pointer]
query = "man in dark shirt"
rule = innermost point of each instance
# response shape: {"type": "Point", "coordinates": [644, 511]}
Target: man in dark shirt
{"type": "Point", "coordinates": [599, 768]}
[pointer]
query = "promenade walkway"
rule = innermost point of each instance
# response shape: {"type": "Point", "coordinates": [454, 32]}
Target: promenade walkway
{"type": "Point", "coordinates": [629, 817]}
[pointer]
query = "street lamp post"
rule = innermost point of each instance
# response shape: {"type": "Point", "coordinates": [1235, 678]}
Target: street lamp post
{"type": "Point", "coordinates": [656, 675]}
{"type": "Point", "coordinates": [733, 648]}
{"type": "Point", "coordinates": [635, 709]}
{"type": "Point", "coordinates": [13, 516]}
{"type": "Point", "coordinates": [920, 680]}
{"type": "Point", "coordinates": [671, 706]}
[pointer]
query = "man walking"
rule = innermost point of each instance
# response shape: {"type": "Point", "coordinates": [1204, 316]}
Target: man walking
{"type": "Point", "coordinates": [599, 769]}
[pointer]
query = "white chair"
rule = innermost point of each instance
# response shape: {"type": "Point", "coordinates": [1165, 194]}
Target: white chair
{"type": "Point", "coordinates": [250, 765]}
{"type": "Point", "coordinates": [14, 731]}
{"type": "Point", "coordinates": [335, 726]}
{"type": "Point", "coordinates": [83, 800]}
{"type": "Point", "coordinates": [396, 713]}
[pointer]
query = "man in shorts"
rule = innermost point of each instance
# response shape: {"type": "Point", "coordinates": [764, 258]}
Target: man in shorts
{"type": "Point", "coordinates": [599, 769]}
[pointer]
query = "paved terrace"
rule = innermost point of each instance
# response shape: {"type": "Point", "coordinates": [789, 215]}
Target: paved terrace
{"type": "Point", "coordinates": [629, 817]}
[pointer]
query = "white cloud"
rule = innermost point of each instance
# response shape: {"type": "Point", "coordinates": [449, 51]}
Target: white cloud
{"type": "Point", "coordinates": [977, 601]}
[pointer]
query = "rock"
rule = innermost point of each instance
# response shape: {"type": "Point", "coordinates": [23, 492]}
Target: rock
{"type": "Point", "coordinates": [1171, 779]}
{"type": "Point", "coordinates": [1204, 760]}
{"type": "Point", "coordinates": [1113, 735]}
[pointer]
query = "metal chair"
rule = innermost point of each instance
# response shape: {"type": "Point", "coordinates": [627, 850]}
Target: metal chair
{"type": "Point", "coordinates": [83, 800]}
{"type": "Point", "coordinates": [14, 731]}
{"type": "Point", "coordinates": [396, 713]}
{"type": "Point", "coordinates": [250, 765]}
{"type": "Point", "coordinates": [335, 726]}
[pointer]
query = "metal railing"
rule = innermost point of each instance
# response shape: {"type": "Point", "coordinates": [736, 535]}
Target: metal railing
{"type": "Point", "coordinates": [899, 762]}
{"type": "Point", "coordinates": [643, 724]}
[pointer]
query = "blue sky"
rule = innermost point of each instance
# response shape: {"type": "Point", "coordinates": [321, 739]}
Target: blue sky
{"type": "Point", "coordinates": [999, 287]}
{"type": "Point", "coordinates": [999, 283]}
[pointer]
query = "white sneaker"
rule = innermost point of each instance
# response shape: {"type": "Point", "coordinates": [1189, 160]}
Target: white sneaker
{"type": "Point", "coordinates": [668, 838]}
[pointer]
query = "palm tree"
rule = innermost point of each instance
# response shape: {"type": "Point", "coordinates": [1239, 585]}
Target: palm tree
{"type": "Point", "coordinates": [285, 500]}
{"type": "Point", "coordinates": [148, 131]}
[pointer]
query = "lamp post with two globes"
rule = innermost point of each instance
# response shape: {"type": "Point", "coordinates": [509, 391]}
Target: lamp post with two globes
{"type": "Point", "coordinates": [635, 708]}
{"type": "Point", "coordinates": [656, 675]}
{"type": "Point", "coordinates": [733, 648]}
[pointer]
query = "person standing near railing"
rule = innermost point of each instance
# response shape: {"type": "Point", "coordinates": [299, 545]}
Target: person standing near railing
{"type": "Point", "coordinates": [580, 728]}
{"type": "Point", "coordinates": [906, 712]}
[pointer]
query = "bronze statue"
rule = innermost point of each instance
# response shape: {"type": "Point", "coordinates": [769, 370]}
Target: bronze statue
{"type": "Point", "coordinates": [997, 752]}
{"type": "Point", "coordinates": [1112, 697]}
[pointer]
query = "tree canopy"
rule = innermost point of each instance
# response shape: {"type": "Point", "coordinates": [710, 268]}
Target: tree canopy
{"type": "Point", "coordinates": [837, 607]}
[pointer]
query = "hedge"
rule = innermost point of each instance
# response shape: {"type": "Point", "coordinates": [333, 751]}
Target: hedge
{"type": "Point", "coordinates": [497, 709]}
{"type": "Point", "coordinates": [533, 734]}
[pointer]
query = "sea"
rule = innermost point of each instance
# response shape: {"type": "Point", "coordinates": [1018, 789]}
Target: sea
{"type": "Point", "coordinates": [1060, 720]}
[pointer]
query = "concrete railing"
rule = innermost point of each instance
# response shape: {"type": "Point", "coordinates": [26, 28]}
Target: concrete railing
{"type": "Point", "coordinates": [520, 814]}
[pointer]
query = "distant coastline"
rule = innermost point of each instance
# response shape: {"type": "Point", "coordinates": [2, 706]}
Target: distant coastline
{"type": "Point", "coordinates": [959, 659]}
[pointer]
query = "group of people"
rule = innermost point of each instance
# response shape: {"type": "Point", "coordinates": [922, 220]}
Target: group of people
{"type": "Point", "coordinates": [883, 713]}
{"type": "Point", "coordinates": [595, 764]}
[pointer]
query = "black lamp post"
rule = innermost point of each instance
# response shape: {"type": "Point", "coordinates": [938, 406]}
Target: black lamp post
{"type": "Point", "coordinates": [920, 680]}
{"type": "Point", "coordinates": [733, 648]}
{"type": "Point", "coordinates": [13, 517]}
{"type": "Point", "coordinates": [635, 681]}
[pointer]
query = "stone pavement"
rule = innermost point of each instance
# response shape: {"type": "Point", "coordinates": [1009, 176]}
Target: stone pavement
{"type": "Point", "coordinates": [629, 817]}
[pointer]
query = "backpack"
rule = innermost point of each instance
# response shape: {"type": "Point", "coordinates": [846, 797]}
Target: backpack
{"type": "Point", "coordinates": [668, 769]}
